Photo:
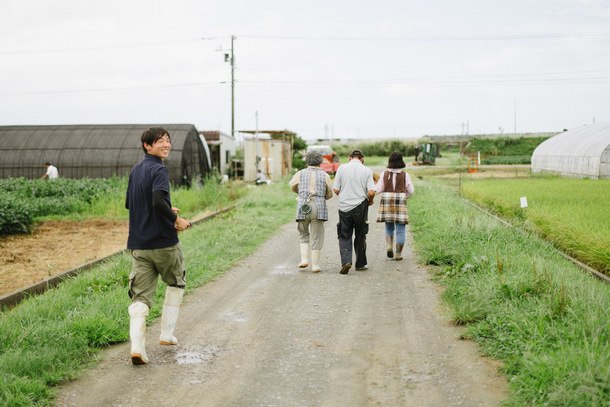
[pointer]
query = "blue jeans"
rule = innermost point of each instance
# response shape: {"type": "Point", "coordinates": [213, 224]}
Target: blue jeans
{"type": "Point", "coordinates": [400, 231]}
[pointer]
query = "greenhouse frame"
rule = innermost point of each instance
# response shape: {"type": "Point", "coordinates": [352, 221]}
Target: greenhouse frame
{"type": "Point", "coordinates": [98, 151]}
{"type": "Point", "coordinates": [579, 153]}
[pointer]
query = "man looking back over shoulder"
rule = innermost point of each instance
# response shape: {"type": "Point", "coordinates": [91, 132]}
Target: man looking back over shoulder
{"type": "Point", "coordinates": [153, 243]}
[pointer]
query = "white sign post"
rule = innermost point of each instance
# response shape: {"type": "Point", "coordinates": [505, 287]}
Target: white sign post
{"type": "Point", "coordinates": [523, 202]}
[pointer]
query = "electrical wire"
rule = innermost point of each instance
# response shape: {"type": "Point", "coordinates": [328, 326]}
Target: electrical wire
{"type": "Point", "coordinates": [100, 48]}
{"type": "Point", "coordinates": [435, 38]}
{"type": "Point", "coordinates": [466, 81]}
{"type": "Point", "coordinates": [327, 38]}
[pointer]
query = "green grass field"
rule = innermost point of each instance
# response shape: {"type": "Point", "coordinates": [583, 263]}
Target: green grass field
{"type": "Point", "coordinates": [574, 214]}
{"type": "Point", "coordinates": [544, 319]}
{"type": "Point", "coordinates": [52, 337]}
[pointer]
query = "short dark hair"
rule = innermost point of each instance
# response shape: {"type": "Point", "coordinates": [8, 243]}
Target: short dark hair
{"type": "Point", "coordinates": [47, 163]}
{"type": "Point", "coordinates": [356, 153]}
{"type": "Point", "coordinates": [150, 136]}
{"type": "Point", "coordinates": [395, 160]}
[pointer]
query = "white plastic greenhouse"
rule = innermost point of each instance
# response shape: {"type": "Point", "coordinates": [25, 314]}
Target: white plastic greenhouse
{"type": "Point", "coordinates": [578, 153]}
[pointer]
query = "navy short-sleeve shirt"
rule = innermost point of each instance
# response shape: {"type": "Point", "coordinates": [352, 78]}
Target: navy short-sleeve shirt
{"type": "Point", "coordinates": [148, 229]}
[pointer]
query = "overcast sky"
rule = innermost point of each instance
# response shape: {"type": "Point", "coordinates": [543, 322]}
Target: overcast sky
{"type": "Point", "coordinates": [321, 68]}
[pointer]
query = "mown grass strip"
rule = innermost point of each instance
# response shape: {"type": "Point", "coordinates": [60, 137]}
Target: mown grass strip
{"type": "Point", "coordinates": [547, 321]}
{"type": "Point", "coordinates": [45, 339]}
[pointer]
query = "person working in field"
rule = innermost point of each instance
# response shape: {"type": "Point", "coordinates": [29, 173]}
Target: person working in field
{"type": "Point", "coordinates": [261, 178]}
{"type": "Point", "coordinates": [153, 243]}
{"type": "Point", "coordinates": [51, 173]}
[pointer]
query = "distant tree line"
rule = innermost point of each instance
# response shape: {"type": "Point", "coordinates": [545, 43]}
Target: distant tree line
{"type": "Point", "coordinates": [504, 150]}
{"type": "Point", "coordinates": [377, 148]}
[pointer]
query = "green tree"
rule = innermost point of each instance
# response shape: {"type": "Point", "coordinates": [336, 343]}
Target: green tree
{"type": "Point", "coordinates": [298, 151]}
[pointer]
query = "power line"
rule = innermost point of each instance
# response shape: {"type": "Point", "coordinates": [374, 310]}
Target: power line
{"type": "Point", "coordinates": [429, 81]}
{"type": "Point", "coordinates": [99, 48]}
{"type": "Point", "coordinates": [187, 86]}
{"type": "Point", "coordinates": [318, 84]}
{"type": "Point", "coordinates": [435, 38]}
{"type": "Point", "coordinates": [325, 38]}
{"type": "Point", "coordinates": [517, 78]}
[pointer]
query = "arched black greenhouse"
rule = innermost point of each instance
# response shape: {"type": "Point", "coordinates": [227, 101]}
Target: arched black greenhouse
{"type": "Point", "coordinates": [98, 151]}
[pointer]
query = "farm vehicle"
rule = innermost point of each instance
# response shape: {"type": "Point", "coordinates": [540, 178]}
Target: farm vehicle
{"type": "Point", "coordinates": [426, 153]}
{"type": "Point", "coordinates": [330, 162]}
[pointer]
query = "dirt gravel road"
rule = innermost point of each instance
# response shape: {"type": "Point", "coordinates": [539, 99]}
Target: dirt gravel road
{"type": "Point", "coordinates": [270, 334]}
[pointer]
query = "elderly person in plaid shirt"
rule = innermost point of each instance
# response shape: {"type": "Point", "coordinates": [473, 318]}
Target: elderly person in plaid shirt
{"type": "Point", "coordinates": [395, 187]}
{"type": "Point", "coordinates": [314, 187]}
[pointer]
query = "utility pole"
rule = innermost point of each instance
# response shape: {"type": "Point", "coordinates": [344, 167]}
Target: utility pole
{"type": "Point", "coordinates": [515, 116]}
{"type": "Point", "coordinates": [230, 58]}
{"type": "Point", "coordinates": [462, 138]}
{"type": "Point", "coordinates": [232, 89]}
{"type": "Point", "coordinates": [257, 159]}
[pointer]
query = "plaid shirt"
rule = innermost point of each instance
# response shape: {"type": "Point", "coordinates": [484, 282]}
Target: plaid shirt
{"type": "Point", "coordinates": [313, 181]}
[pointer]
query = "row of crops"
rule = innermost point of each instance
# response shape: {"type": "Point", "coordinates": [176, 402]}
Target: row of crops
{"type": "Point", "coordinates": [504, 150]}
{"type": "Point", "coordinates": [22, 201]}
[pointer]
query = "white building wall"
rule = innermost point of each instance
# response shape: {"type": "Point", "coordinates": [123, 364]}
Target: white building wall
{"type": "Point", "coordinates": [274, 158]}
{"type": "Point", "coordinates": [228, 145]}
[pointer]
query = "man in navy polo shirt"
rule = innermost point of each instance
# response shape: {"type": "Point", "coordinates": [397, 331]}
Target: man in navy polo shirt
{"type": "Point", "coordinates": [153, 243]}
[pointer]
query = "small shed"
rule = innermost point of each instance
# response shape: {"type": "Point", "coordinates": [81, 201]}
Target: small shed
{"type": "Point", "coordinates": [269, 151]}
{"type": "Point", "coordinates": [98, 151]}
{"type": "Point", "coordinates": [577, 153]}
{"type": "Point", "coordinates": [222, 150]}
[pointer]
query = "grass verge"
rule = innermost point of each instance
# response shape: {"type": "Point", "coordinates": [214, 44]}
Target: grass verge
{"type": "Point", "coordinates": [46, 338]}
{"type": "Point", "coordinates": [542, 317]}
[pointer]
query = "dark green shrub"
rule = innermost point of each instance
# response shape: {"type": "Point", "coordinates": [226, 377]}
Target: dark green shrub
{"type": "Point", "coordinates": [507, 159]}
{"type": "Point", "coordinates": [504, 146]}
{"type": "Point", "coordinates": [23, 200]}
{"type": "Point", "coordinates": [377, 148]}
{"type": "Point", "coordinates": [15, 215]}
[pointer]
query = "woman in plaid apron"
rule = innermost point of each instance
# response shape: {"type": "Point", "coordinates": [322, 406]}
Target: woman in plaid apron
{"type": "Point", "coordinates": [395, 187]}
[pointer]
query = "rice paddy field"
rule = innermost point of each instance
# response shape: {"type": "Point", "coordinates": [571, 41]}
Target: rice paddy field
{"type": "Point", "coordinates": [540, 316]}
{"type": "Point", "coordinates": [574, 214]}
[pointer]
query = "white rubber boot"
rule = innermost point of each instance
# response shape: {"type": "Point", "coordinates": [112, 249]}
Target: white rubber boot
{"type": "Point", "coordinates": [315, 261]}
{"type": "Point", "coordinates": [304, 255]}
{"type": "Point", "coordinates": [138, 311]}
{"type": "Point", "coordinates": [171, 308]}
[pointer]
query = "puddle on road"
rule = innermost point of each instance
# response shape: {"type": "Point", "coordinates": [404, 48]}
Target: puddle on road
{"type": "Point", "coordinates": [234, 316]}
{"type": "Point", "coordinates": [282, 269]}
{"type": "Point", "coordinates": [195, 355]}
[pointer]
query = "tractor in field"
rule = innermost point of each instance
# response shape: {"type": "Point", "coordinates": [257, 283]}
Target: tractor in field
{"type": "Point", "coordinates": [426, 153]}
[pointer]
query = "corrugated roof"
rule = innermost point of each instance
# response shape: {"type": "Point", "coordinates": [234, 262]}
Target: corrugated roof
{"type": "Point", "coordinates": [214, 135]}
